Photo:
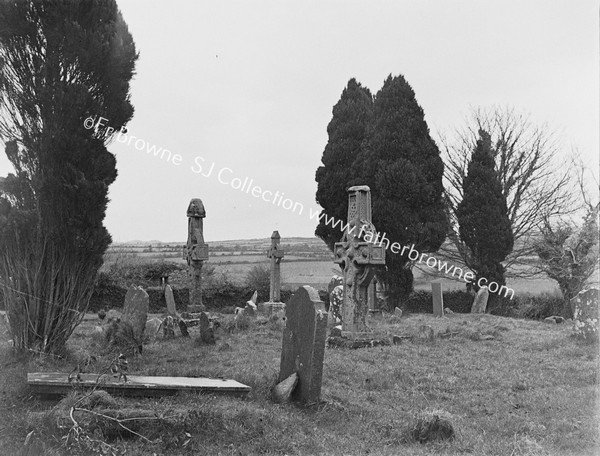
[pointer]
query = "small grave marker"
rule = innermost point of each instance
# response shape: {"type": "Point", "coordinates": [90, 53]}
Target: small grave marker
{"type": "Point", "coordinates": [303, 347]}
{"type": "Point", "coordinates": [480, 301]}
{"type": "Point", "coordinates": [135, 311]}
{"type": "Point", "coordinates": [170, 299]}
{"type": "Point", "coordinates": [438, 299]}
{"type": "Point", "coordinates": [374, 308]}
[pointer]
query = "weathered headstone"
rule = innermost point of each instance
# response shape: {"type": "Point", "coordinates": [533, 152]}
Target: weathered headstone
{"type": "Point", "coordinates": [135, 311]}
{"type": "Point", "coordinates": [357, 254]}
{"type": "Point", "coordinates": [438, 299]}
{"type": "Point", "coordinates": [170, 299]}
{"type": "Point", "coordinates": [196, 251]}
{"type": "Point", "coordinates": [207, 335]}
{"type": "Point", "coordinates": [585, 314]}
{"type": "Point", "coordinates": [336, 301]}
{"type": "Point", "coordinates": [168, 326]}
{"type": "Point", "coordinates": [480, 301]}
{"type": "Point", "coordinates": [374, 308]}
{"type": "Point", "coordinates": [303, 347]}
{"type": "Point", "coordinates": [335, 281]}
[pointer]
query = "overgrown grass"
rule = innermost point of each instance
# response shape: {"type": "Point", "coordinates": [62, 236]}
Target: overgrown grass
{"type": "Point", "coordinates": [531, 390]}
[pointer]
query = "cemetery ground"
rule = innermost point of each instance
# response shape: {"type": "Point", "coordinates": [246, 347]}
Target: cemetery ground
{"type": "Point", "coordinates": [530, 389]}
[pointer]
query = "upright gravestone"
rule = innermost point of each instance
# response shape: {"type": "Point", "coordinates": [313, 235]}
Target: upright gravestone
{"type": "Point", "coordinates": [275, 254]}
{"type": "Point", "coordinates": [170, 299]}
{"type": "Point", "coordinates": [480, 301]}
{"type": "Point", "coordinates": [336, 301]}
{"type": "Point", "coordinates": [303, 347]}
{"type": "Point", "coordinates": [374, 308]}
{"type": "Point", "coordinates": [438, 299]}
{"type": "Point", "coordinates": [196, 251]}
{"type": "Point", "coordinates": [585, 314]}
{"type": "Point", "coordinates": [358, 254]}
{"type": "Point", "coordinates": [135, 311]}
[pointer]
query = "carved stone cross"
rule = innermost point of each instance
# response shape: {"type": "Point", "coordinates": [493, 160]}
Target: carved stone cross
{"type": "Point", "coordinates": [196, 251]}
{"type": "Point", "coordinates": [275, 253]}
{"type": "Point", "coordinates": [357, 259]}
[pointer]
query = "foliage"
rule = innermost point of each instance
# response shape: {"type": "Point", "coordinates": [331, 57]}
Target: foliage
{"type": "Point", "coordinates": [401, 164]}
{"type": "Point", "coordinates": [259, 278]}
{"type": "Point", "coordinates": [62, 63]}
{"type": "Point", "coordinates": [539, 307]}
{"type": "Point", "coordinates": [534, 183]}
{"type": "Point", "coordinates": [482, 216]}
{"type": "Point", "coordinates": [568, 253]}
{"type": "Point", "coordinates": [421, 301]}
{"type": "Point", "coordinates": [346, 131]}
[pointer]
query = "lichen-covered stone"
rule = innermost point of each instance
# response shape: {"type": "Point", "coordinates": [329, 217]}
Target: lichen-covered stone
{"type": "Point", "coordinates": [585, 314]}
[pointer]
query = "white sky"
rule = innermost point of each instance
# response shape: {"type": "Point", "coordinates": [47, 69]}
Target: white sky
{"type": "Point", "coordinates": [250, 86]}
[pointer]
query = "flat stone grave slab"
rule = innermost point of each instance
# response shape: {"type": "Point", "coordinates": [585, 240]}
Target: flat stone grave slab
{"type": "Point", "coordinates": [57, 383]}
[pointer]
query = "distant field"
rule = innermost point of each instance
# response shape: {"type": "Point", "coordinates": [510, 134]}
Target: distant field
{"type": "Point", "coordinates": [307, 262]}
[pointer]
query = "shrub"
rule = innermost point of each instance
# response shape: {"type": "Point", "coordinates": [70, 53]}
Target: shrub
{"type": "Point", "coordinates": [421, 301]}
{"type": "Point", "coordinates": [259, 278]}
{"type": "Point", "coordinates": [540, 307]}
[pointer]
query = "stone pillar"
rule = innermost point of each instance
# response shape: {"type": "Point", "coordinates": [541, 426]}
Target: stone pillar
{"type": "Point", "coordinates": [196, 251]}
{"type": "Point", "coordinates": [303, 345]}
{"type": "Point", "coordinates": [438, 299]}
{"type": "Point", "coordinates": [357, 255]}
{"type": "Point", "coordinates": [276, 254]}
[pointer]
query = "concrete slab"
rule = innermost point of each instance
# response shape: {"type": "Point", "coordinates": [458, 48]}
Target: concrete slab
{"type": "Point", "coordinates": [57, 383]}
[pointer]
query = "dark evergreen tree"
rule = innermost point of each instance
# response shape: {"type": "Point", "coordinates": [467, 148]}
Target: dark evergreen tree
{"type": "Point", "coordinates": [401, 164]}
{"type": "Point", "coordinates": [62, 62]}
{"type": "Point", "coordinates": [482, 215]}
{"type": "Point", "coordinates": [346, 131]}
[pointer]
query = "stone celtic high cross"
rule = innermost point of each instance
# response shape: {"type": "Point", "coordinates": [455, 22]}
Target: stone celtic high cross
{"type": "Point", "coordinates": [357, 259]}
{"type": "Point", "coordinates": [275, 254]}
{"type": "Point", "coordinates": [196, 251]}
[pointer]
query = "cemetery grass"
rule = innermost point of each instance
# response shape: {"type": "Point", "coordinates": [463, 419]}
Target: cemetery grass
{"type": "Point", "coordinates": [531, 390]}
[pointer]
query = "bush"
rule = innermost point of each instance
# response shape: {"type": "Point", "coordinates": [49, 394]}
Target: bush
{"type": "Point", "coordinates": [421, 301]}
{"type": "Point", "coordinates": [540, 307]}
{"type": "Point", "coordinates": [259, 278]}
{"type": "Point", "coordinates": [107, 293]}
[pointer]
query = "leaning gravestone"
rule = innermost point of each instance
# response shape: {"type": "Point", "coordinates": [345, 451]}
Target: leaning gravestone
{"type": "Point", "coordinates": [480, 301]}
{"type": "Point", "coordinates": [585, 314]}
{"type": "Point", "coordinates": [303, 347]}
{"type": "Point", "coordinates": [135, 311]}
{"type": "Point", "coordinates": [170, 299]}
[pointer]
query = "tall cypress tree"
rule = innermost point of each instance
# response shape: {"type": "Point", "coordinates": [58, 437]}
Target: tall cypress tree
{"type": "Point", "coordinates": [346, 131]}
{"type": "Point", "coordinates": [62, 62]}
{"type": "Point", "coordinates": [401, 164]}
{"type": "Point", "coordinates": [482, 214]}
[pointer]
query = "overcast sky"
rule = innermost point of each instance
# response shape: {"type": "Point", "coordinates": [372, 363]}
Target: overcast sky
{"type": "Point", "coordinates": [247, 88]}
